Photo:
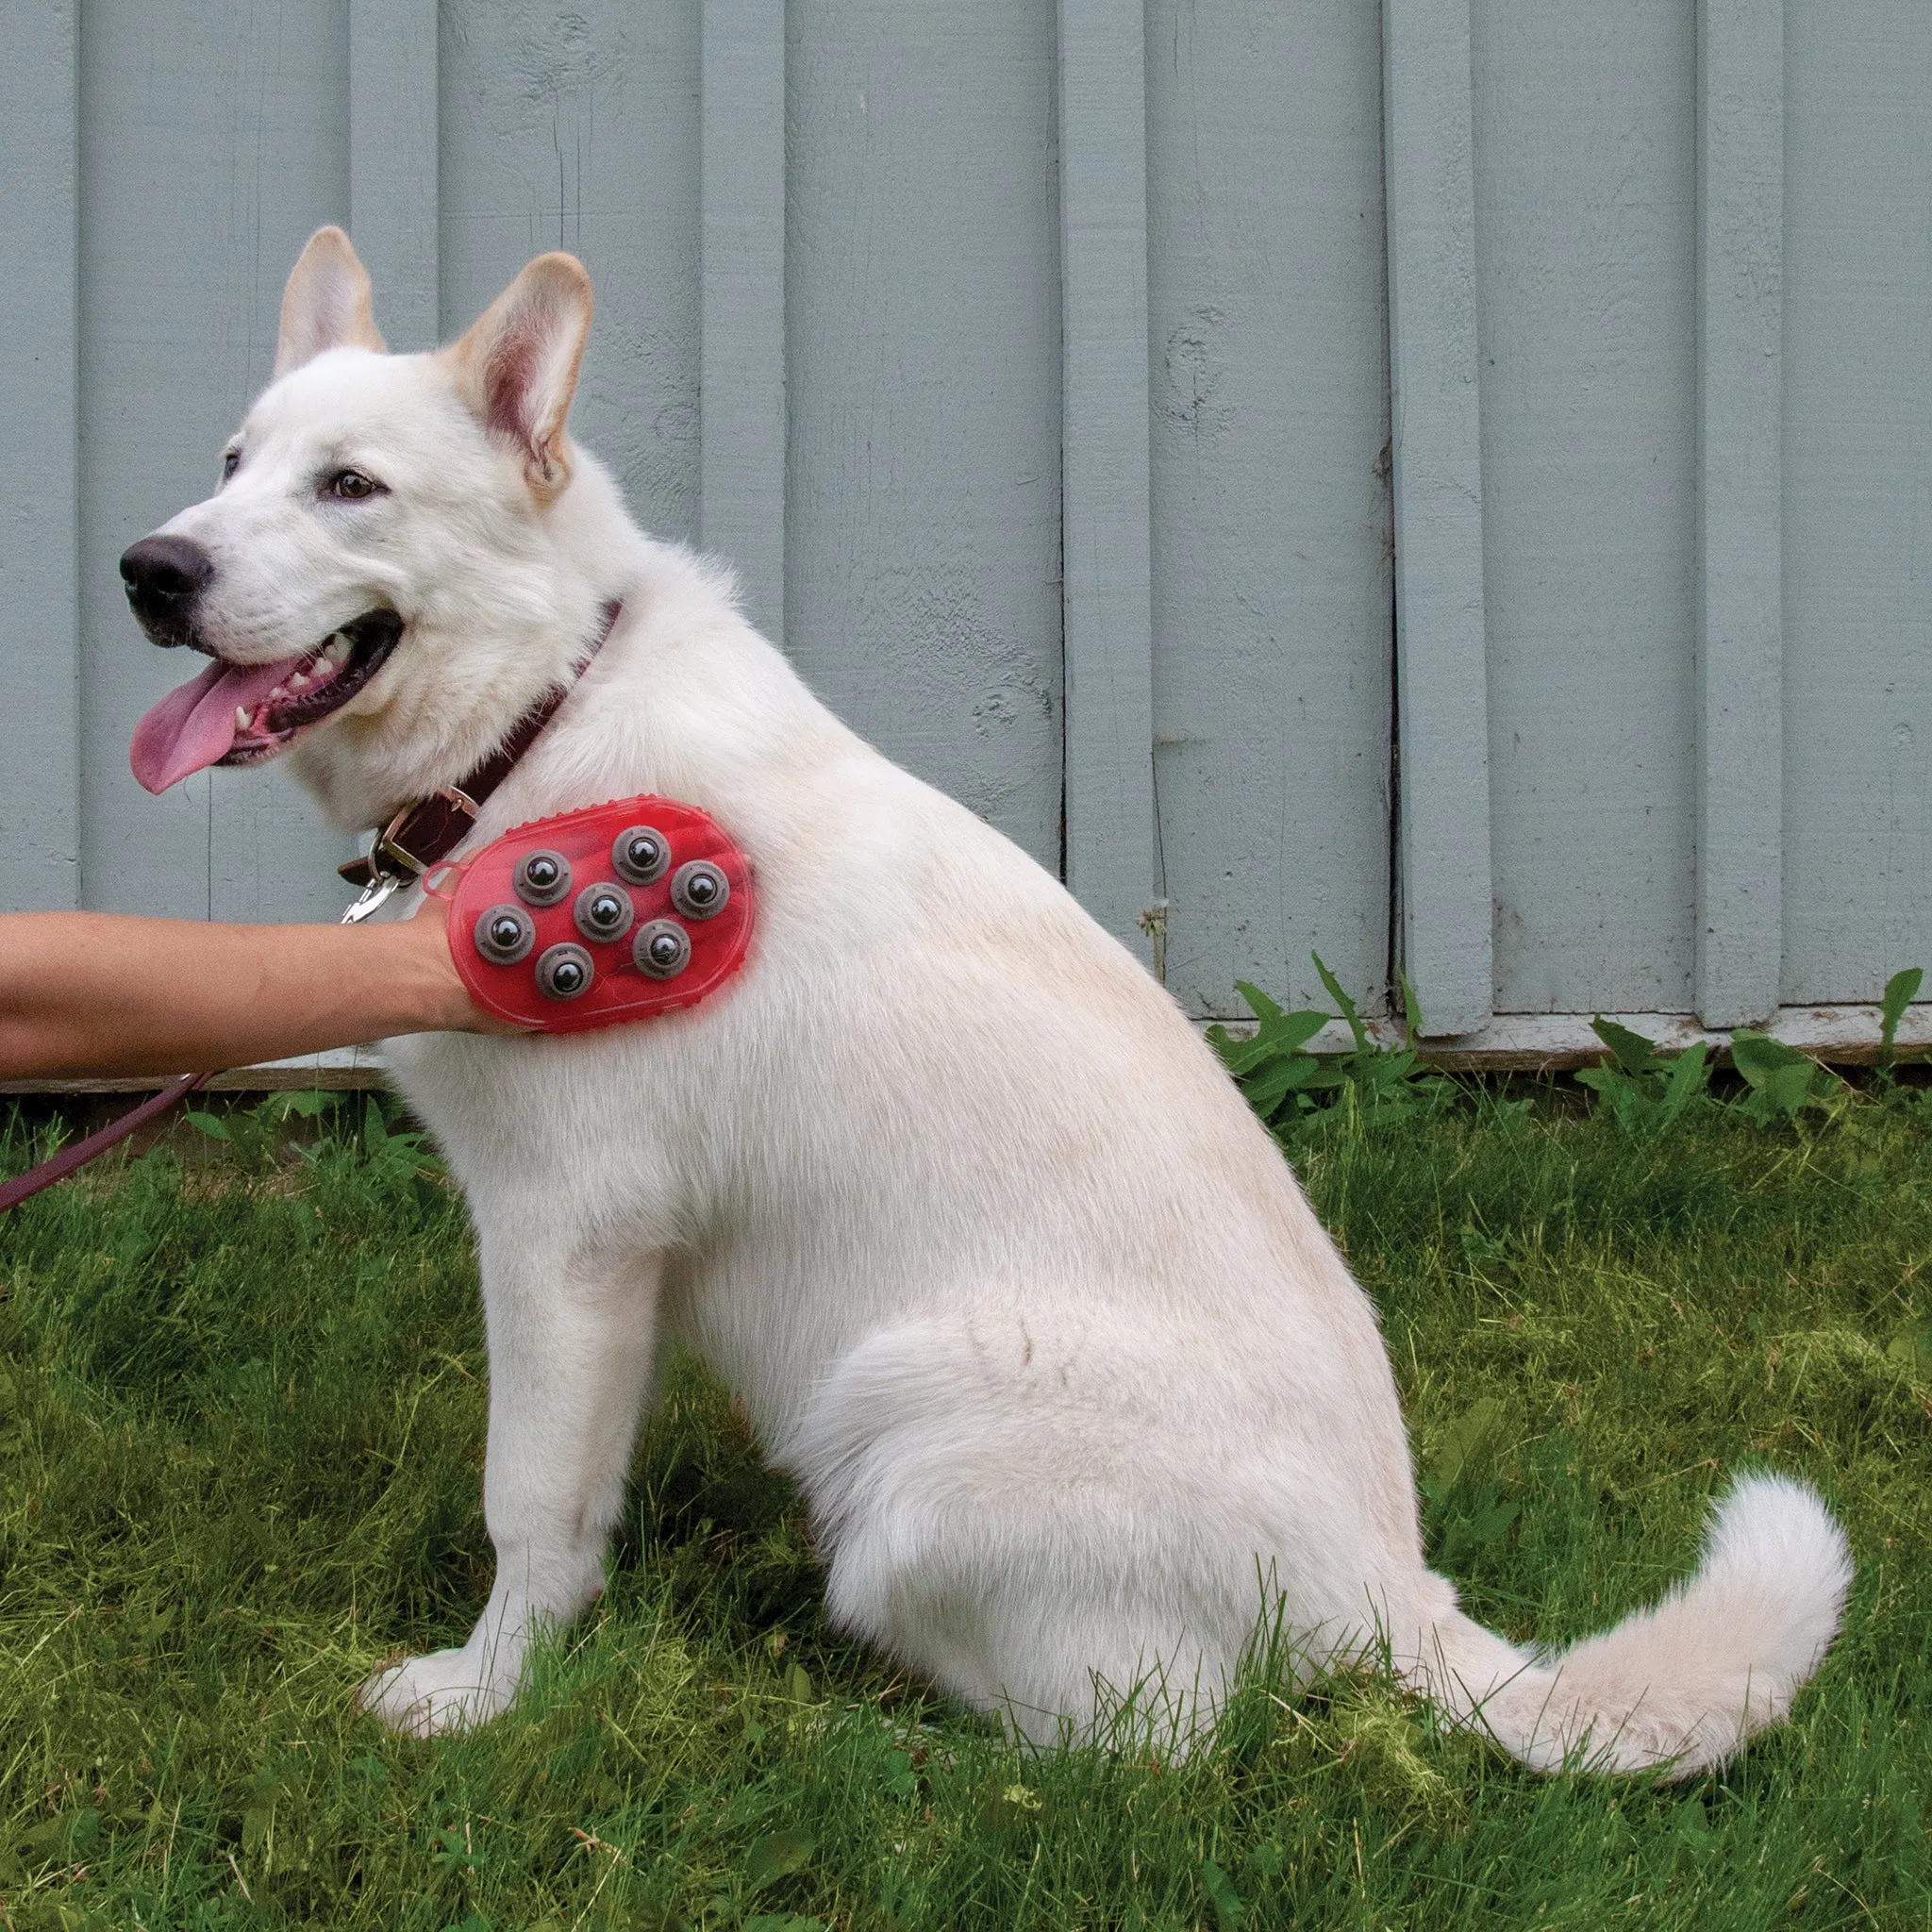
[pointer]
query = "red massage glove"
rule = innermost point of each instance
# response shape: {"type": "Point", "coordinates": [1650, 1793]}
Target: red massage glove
{"type": "Point", "coordinates": [595, 917]}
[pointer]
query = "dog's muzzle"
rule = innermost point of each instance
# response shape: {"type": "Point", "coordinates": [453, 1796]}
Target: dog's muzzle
{"type": "Point", "coordinates": [163, 576]}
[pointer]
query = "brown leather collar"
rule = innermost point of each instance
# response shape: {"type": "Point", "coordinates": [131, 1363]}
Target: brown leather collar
{"type": "Point", "coordinates": [429, 828]}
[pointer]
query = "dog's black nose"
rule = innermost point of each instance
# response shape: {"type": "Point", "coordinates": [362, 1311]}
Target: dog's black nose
{"type": "Point", "coordinates": [162, 575]}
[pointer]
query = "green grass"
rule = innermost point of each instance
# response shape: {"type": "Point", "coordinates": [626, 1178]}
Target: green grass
{"type": "Point", "coordinates": [241, 1438]}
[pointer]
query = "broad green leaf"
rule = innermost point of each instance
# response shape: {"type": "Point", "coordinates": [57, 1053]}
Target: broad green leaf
{"type": "Point", "coordinates": [1243, 1055]}
{"type": "Point", "coordinates": [1900, 991]}
{"type": "Point", "coordinates": [1788, 1089]}
{"type": "Point", "coordinates": [1689, 1073]}
{"type": "Point", "coordinates": [1264, 1859]}
{"type": "Point", "coordinates": [1286, 1032]}
{"type": "Point", "coordinates": [1411, 1006]}
{"type": "Point", "coordinates": [777, 1856]}
{"type": "Point", "coordinates": [1783, 1079]}
{"type": "Point", "coordinates": [212, 1125]}
{"type": "Point", "coordinates": [1258, 1003]}
{"type": "Point", "coordinates": [1760, 1057]}
{"type": "Point", "coordinates": [1912, 1346]}
{"type": "Point", "coordinates": [1491, 1523]}
{"type": "Point", "coordinates": [1464, 1440]}
{"type": "Point", "coordinates": [1634, 1054]}
{"type": "Point", "coordinates": [1690, 1825]}
{"type": "Point", "coordinates": [1631, 1098]}
{"type": "Point", "coordinates": [1272, 1085]}
{"type": "Point", "coordinates": [1221, 1895]}
{"type": "Point", "coordinates": [1349, 1010]}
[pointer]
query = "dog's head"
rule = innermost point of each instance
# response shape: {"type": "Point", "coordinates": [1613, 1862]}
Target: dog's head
{"type": "Point", "coordinates": [378, 576]}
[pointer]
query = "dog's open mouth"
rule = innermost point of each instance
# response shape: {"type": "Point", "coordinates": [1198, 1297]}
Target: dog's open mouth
{"type": "Point", "coordinates": [239, 714]}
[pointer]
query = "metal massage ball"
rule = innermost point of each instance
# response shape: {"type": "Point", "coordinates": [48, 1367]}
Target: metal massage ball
{"type": "Point", "coordinates": [699, 890]}
{"type": "Point", "coordinates": [604, 913]}
{"type": "Point", "coordinates": [640, 853]}
{"type": "Point", "coordinates": [661, 949]}
{"type": "Point", "coordinates": [542, 877]}
{"type": "Point", "coordinates": [564, 972]}
{"type": "Point", "coordinates": [505, 934]}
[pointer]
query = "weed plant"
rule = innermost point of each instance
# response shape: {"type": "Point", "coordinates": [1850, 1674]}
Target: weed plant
{"type": "Point", "coordinates": [242, 1417]}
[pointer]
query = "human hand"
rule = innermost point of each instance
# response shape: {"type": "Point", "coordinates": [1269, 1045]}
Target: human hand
{"type": "Point", "coordinates": [426, 935]}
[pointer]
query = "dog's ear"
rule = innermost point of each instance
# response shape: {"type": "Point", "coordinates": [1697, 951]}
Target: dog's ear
{"type": "Point", "coordinates": [517, 367]}
{"type": "Point", "coordinates": [326, 303]}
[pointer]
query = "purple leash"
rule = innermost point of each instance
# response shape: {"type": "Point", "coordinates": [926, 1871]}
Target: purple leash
{"type": "Point", "coordinates": [25, 1187]}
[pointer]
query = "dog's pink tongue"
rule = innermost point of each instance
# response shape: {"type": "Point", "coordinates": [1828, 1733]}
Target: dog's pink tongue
{"type": "Point", "coordinates": [194, 724]}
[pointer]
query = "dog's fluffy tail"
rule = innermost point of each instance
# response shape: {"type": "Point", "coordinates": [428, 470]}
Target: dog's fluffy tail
{"type": "Point", "coordinates": [1682, 1686]}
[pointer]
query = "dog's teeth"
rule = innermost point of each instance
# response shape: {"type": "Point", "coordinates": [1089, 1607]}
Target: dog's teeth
{"type": "Point", "coordinates": [240, 719]}
{"type": "Point", "coordinates": [299, 682]}
{"type": "Point", "coordinates": [281, 691]}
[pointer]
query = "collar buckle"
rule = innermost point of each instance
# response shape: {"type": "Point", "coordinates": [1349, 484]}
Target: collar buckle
{"type": "Point", "coordinates": [442, 811]}
{"type": "Point", "coordinates": [437, 822]}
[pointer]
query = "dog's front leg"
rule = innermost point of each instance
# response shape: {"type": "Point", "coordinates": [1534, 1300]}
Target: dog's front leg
{"type": "Point", "coordinates": [570, 1359]}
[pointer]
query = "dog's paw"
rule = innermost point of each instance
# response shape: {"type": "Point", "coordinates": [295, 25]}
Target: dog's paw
{"type": "Point", "coordinates": [444, 1690]}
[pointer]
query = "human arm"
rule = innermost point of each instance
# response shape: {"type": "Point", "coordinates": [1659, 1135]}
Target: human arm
{"type": "Point", "coordinates": [98, 994]}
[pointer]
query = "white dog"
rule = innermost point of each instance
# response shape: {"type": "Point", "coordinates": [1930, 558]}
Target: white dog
{"type": "Point", "coordinates": [944, 1186]}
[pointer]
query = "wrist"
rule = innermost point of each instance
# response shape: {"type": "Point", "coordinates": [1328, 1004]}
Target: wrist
{"type": "Point", "coordinates": [440, 1001]}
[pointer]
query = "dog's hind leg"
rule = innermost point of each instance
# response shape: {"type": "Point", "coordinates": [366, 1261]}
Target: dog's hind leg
{"type": "Point", "coordinates": [571, 1340]}
{"type": "Point", "coordinates": [1003, 1514]}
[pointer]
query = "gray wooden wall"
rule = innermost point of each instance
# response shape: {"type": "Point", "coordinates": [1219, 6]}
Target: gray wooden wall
{"type": "Point", "coordinates": [1180, 429]}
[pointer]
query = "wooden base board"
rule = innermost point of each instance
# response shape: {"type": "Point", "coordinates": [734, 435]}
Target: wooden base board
{"type": "Point", "coordinates": [1510, 1044]}
{"type": "Point", "coordinates": [348, 1067]}
{"type": "Point", "coordinates": [1559, 1042]}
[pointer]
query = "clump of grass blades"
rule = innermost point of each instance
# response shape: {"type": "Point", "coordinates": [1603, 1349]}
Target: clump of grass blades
{"type": "Point", "coordinates": [241, 1424]}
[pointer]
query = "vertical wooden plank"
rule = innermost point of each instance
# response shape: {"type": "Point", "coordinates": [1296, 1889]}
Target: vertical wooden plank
{"type": "Point", "coordinates": [1104, 511]}
{"type": "Point", "coordinates": [742, 377]}
{"type": "Point", "coordinates": [1271, 566]}
{"type": "Point", "coordinates": [923, 391]}
{"type": "Point", "coordinates": [392, 163]}
{"type": "Point", "coordinates": [269, 855]}
{"type": "Point", "coordinates": [39, 647]}
{"type": "Point", "coordinates": [213, 142]}
{"type": "Point", "coordinates": [578, 128]}
{"type": "Point", "coordinates": [1858, 510]}
{"type": "Point", "coordinates": [1740, 510]}
{"type": "Point", "coordinates": [1436, 459]}
{"type": "Point", "coordinates": [1586, 173]}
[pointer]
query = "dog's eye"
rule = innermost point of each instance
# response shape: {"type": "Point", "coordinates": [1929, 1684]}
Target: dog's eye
{"type": "Point", "coordinates": [353, 486]}
{"type": "Point", "coordinates": [231, 461]}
